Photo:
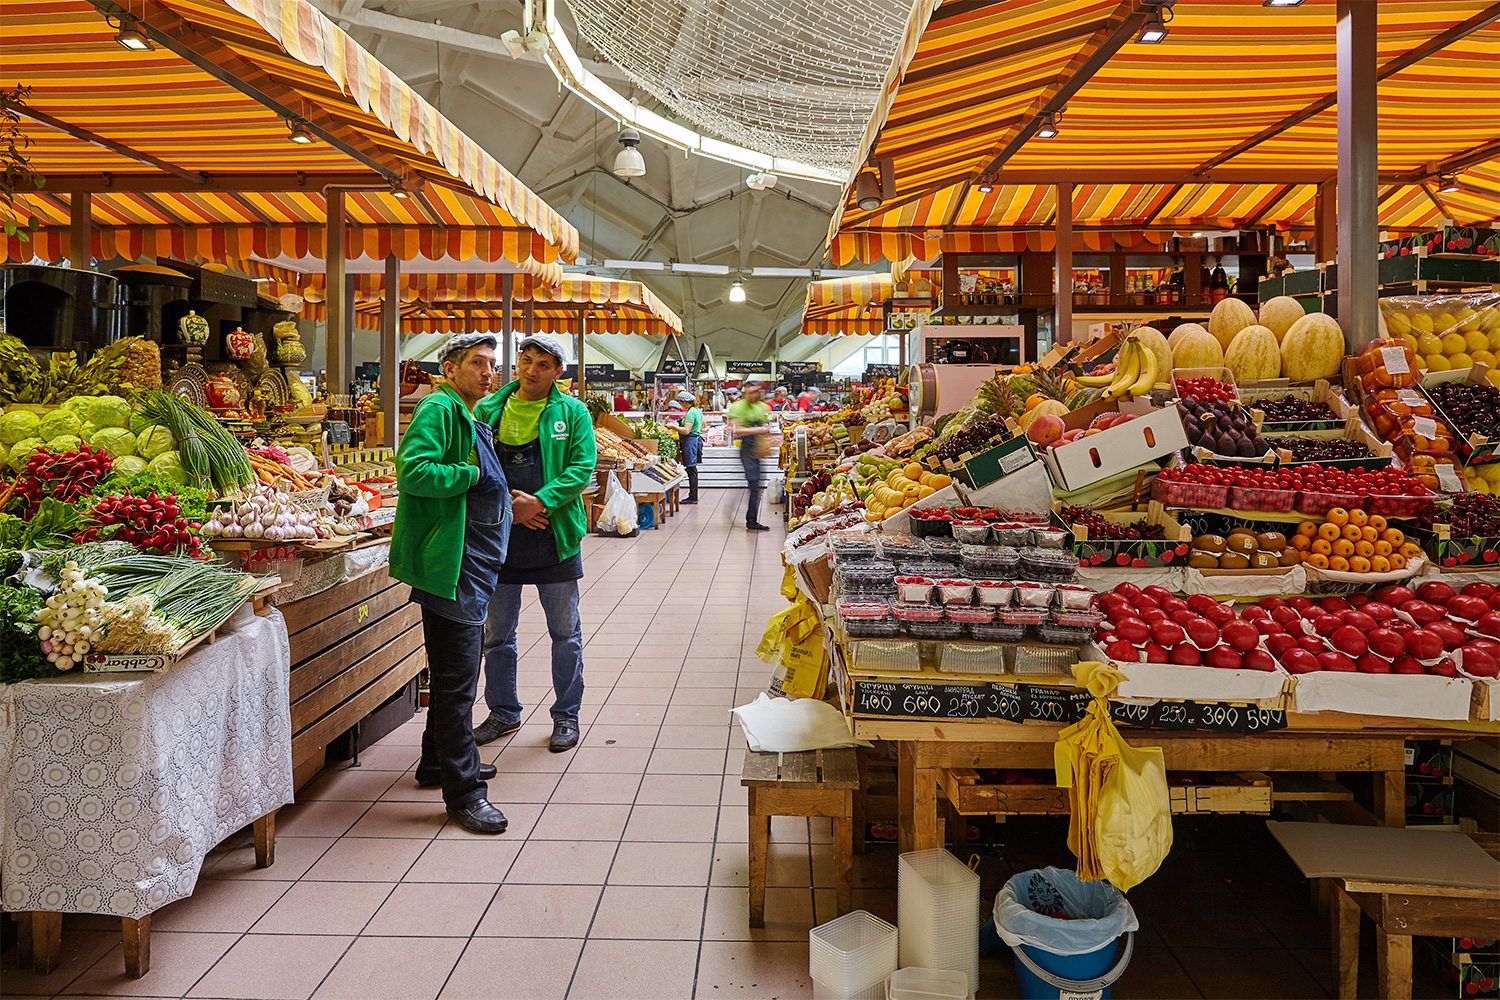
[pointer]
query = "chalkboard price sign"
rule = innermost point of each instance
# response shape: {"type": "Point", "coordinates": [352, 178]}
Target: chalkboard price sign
{"type": "Point", "coordinates": [1004, 701]}
{"type": "Point", "coordinates": [1130, 714]}
{"type": "Point", "coordinates": [922, 701]}
{"type": "Point", "coordinates": [1049, 704]}
{"type": "Point", "coordinates": [1212, 716]}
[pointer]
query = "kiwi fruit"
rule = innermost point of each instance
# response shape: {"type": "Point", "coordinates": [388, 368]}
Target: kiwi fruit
{"type": "Point", "coordinates": [1209, 543]}
{"type": "Point", "coordinates": [1264, 560]}
{"type": "Point", "coordinates": [1234, 560]}
{"type": "Point", "coordinates": [1241, 542]}
{"type": "Point", "coordinates": [1271, 541]}
{"type": "Point", "coordinates": [1203, 560]}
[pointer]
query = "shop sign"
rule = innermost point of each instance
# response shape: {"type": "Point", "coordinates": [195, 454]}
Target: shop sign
{"type": "Point", "coordinates": [797, 367]}
{"type": "Point", "coordinates": [746, 367]}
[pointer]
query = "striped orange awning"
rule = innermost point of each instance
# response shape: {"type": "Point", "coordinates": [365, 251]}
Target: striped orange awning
{"type": "Point", "coordinates": [186, 157]}
{"type": "Point", "coordinates": [855, 305]}
{"type": "Point", "coordinates": [1142, 140]}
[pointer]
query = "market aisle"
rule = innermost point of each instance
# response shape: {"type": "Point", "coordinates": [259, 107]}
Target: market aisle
{"type": "Point", "coordinates": [623, 871]}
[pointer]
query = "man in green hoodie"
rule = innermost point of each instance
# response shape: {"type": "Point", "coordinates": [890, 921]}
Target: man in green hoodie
{"type": "Point", "coordinates": [545, 438]}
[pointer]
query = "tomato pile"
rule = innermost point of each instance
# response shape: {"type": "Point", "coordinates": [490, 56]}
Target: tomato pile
{"type": "Point", "coordinates": [1205, 389]}
{"type": "Point", "coordinates": [65, 476]}
{"type": "Point", "coordinates": [151, 523]}
{"type": "Point", "coordinates": [1312, 489]}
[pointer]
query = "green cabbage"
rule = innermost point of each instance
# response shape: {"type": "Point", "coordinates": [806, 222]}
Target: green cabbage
{"type": "Point", "coordinates": [110, 411]}
{"type": "Point", "coordinates": [79, 405]}
{"type": "Point", "coordinates": [58, 423]}
{"type": "Point", "coordinates": [4, 455]}
{"type": "Point", "coordinates": [20, 452]}
{"type": "Point", "coordinates": [89, 430]}
{"type": "Point", "coordinates": [153, 440]}
{"type": "Point", "coordinates": [116, 441]}
{"type": "Point", "coordinates": [139, 421]}
{"type": "Point", "coordinates": [169, 465]}
{"type": "Point", "coordinates": [18, 424]}
{"type": "Point", "coordinates": [129, 465]}
{"type": "Point", "coordinates": [64, 443]}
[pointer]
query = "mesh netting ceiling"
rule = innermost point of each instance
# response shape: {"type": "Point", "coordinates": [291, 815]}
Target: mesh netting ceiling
{"type": "Point", "coordinates": [790, 78]}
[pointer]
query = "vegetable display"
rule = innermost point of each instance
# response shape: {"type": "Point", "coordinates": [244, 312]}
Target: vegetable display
{"type": "Point", "coordinates": [71, 617]}
{"type": "Point", "coordinates": [65, 477]}
{"type": "Point", "coordinates": [205, 448]}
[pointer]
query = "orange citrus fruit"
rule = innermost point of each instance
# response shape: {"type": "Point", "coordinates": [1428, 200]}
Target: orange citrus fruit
{"type": "Point", "coordinates": [1338, 516]}
{"type": "Point", "coordinates": [1328, 530]}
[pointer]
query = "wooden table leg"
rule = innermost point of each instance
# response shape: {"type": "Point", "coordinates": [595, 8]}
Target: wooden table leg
{"type": "Point", "coordinates": [23, 937]}
{"type": "Point", "coordinates": [46, 941]}
{"type": "Point", "coordinates": [137, 935]}
{"type": "Point", "coordinates": [906, 781]}
{"type": "Point", "coordinates": [843, 856]}
{"type": "Point", "coordinates": [1393, 964]}
{"type": "Point", "coordinates": [925, 835]}
{"type": "Point", "coordinates": [1390, 798]}
{"type": "Point", "coordinates": [265, 840]}
{"type": "Point", "coordinates": [760, 835]}
{"type": "Point", "coordinates": [1346, 920]}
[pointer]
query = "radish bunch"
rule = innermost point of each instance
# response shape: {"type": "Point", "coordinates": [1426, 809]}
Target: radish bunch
{"type": "Point", "coordinates": [72, 618]}
{"type": "Point", "coordinates": [151, 523]}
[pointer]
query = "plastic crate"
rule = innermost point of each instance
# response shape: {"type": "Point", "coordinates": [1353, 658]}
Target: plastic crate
{"type": "Point", "coordinates": [995, 631]}
{"type": "Point", "coordinates": [1318, 504]}
{"type": "Point", "coordinates": [969, 658]}
{"type": "Point", "coordinates": [1039, 661]}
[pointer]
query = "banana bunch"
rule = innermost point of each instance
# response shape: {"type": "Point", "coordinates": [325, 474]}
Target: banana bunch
{"type": "Point", "coordinates": [1135, 372]}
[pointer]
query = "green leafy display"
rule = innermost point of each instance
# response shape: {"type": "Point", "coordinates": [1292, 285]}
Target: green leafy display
{"type": "Point", "coordinates": [20, 655]}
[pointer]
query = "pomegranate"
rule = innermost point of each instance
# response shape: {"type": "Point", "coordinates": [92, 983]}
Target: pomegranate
{"type": "Point", "coordinates": [1407, 665]}
{"type": "Point", "coordinates": [1267, 627]}
{"type": "Point", "coordinates": [1200, 603]}
{"type": "Point", "coordinates": [1372, 664]}
{"type": "Point", "coordinates": [1335, 661]}
{"type": "Point", "coordinates": [1424, 644]}
{"type": "Point", "coordinates": [1279, 644]}
{"type": "Point", "coordinates": [1489, 624]}
{"type": "Point", "coordinates": [1359, 600]}
{"type": "Point", "coordinates": [1387, 643]}
{"type": "Point", "coordinates": [1223, 658]}
{"type": "Point", "coordinates": [1395, 595]}
{"type": "Point", "coordinates": [1300, 661]}
{"type": "Point", "coordinates": [1435, 592]}
{"type": "Point", "coordinates": [1155, 654]}
{"type": "Point", "coordinates": [1350, 641]}
{"type": "Point", "coordinates": [1479, 662]}
{"type": "Point", "coordinates": [1422, 613]}
{"type": "Point", "coordinates": [1259, 659]}
{"type": "Point", "coordinates": [1204, 633]}
{"type": "Point", "coordinates": [1359, 620]}
{"type": "Point", "coordinates": [1121, 651]}
{"type": "Point", "coordinates": [1133, 630]}
{"type": "Point", "coordinates": [1333, 605]}
{"type": "Point", "coordinates": [1483, 591]}
{"type": "Point", "coordinates": [1242, 636]}
{"type": "Point", "coordinates": [1186, 655]}
{"type": "Point", "coordinates": [1167, 634]}
{"type": "Point", "coordinates": [1378, 610]}
{"type": "Point", "coordinates": [1399, 626]}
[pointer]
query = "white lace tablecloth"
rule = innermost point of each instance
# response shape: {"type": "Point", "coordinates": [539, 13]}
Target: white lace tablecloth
{"type": "Point", "coordinates": [115, 786]}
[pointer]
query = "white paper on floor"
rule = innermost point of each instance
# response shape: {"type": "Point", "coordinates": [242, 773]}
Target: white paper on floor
{"type": "Point", "coordinates": [785, 725]}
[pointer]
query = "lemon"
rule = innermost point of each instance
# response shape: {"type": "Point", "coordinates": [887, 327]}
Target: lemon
{"type": "Point", "coordinates": [1484, 357]}
{"type": "Point", "coordinates": [1489, 320]}
{"type": "Point", "coordinates": [1475, 341]}
{"type": "Point", "coordinates": [1422, 323]}
{"type": "Point", "coordinates": [1467, 319]}
{"type": "Point", "coordinates": [1453, 343]}
{"type": "Point", "coordinates": [1409, 341]}
{"type": "Point", "coordinates": [1399, 324]}
{"type": "Point", "coordinates": [1429, 343]}
{"type": "Point", "coordinates": [1460, 361]}
{"type": "Point", "coordinates": [1436, 363]}
{"type": "Point", "coordinates": [1482, 486]}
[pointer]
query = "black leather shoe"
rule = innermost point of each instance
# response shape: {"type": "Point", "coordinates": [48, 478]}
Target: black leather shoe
{"type": "Point", "coordinates": [486, 772]}
{"type": "Point", "coordinates": [491, 729]}
{"type": "Point", "coordinates": [564, 735]}
{"type": "Point", "coordinates": [479, 817]}
{"type": "Point", "coordinates": [688, 501]}
{"type": "Point", "coordinates": [757, 527]}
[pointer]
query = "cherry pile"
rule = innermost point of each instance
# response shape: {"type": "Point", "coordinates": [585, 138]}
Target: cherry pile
{"type": "Point", "coordinates": [1290, 409]}
{"type": "Point", "coordinates": [1314, 450]}
{"type": "Point", "coordinates": [974, 437]}
{"type": "Point", "coordinates": [65, 476]}
{"type": "Point", "coordinates": [1472, 514]}
{"type": "Point", "coordinates": [1102, 528]}
{"type": "Point", "coordinates": [153, 524]}
{"type": "Point", "coordinates": [1472, 407]}
{"type": "Point", "coordinates": [1204, 389]}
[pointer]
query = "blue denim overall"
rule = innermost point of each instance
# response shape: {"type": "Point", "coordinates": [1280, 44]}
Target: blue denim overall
{"type": "Point", "coordinates": [486, 539]}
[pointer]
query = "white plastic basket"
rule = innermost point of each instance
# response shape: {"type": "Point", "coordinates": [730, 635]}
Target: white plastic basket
{"type": "Point", "coordinates": [937, 901]}
{"type": "Point", "coordinates": [852, 955]}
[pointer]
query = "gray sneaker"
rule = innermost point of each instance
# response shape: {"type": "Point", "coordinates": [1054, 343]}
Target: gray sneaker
{"type": "Point", "coordinates": [492, 729]}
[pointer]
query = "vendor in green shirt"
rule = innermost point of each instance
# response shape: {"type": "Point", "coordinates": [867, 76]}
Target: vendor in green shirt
{"type": "Point", "coordinates": [750, 419]}
{"type": "Point", "coordinates": [689, 429]}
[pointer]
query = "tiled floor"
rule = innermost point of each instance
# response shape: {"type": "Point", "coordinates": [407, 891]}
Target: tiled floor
{"type": "Point", "coordinates": [623, 871]}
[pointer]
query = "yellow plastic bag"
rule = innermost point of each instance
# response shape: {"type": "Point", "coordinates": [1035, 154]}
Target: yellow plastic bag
{"type": "Point", "coordinates": [793, 640]}
{"type": "Point", "coordinates": [1121, 825]}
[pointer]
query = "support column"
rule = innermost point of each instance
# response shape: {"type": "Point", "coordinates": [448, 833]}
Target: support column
{"type": "Point", "coordinates": [349, 319]}
{"type": "Point", "coordinates": [81, 231]}
{"type": "Point", "coordinates": [507, 327]}
{"type": "Point", "coordinates": [1358, 179]}
{"type": "Point", "coordinates": [390, 351]}
{"type": "Point", "coordinates": [333, 347]}
{"type": "Point", "coordinates": [528, 319]}
{"type": "Point", "coordinates": [583, 330]}
{"type": "Point", "coordinates": [1325, 221]}
{"type": "Point", "coordinates": [1062, 308]}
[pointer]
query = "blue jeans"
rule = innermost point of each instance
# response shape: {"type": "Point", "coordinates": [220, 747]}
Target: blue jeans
{"type": "Point", "coordinates": [560, 603]}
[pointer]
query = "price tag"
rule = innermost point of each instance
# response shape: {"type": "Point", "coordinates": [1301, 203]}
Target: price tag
{"type": "Point", "coordinates": [1394, 359]}
{"type": "Point", "coordinates": [1132, 713]}
{"type": "Point", "coordinates": [1448, 479]}
{"type": "Point", "coordinates": [1005, 702]}
{"type": "Point", "coordinates": [1223, 717]}
{"type": "Point", "coordinates": [1424, 426]}
{"type": "Point", "coordinates": [1410, 397]}
{"type": "Point", "coordinates": [925, 701]}
{"type": "Point", "coordinates": [1175, 715]}
{"type": "Point", "coordinates": [1049, 704]}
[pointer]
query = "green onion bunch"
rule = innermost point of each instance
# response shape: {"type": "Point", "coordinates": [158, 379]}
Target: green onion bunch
{"type": "Point", "coordinates": [207, 449]}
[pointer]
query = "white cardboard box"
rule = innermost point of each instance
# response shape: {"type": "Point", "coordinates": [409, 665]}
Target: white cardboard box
{"type": "Point", "coordinates": [1113, 451]}
{"type": "Point", "coordinates": [1408, 696]}
{"type": "Point", "coordinates": [1169, 680]}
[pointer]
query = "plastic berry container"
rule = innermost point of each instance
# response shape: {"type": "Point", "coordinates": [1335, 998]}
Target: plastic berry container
{"type": "Point", "coordinates": [955, 590]}
{"type": "Point", "coordinates": [1015, 533]}
{"type": "Point", "coordinates": [947, 550]}
{"type": "Point", "coordinates": [990, 561]}
{"type": "Point", "coordinates": [1076, 619]}
{"type": "Point", "coordinates": [996, 592]}
{"type": "Point", "coordinates": [1267, 501]}
{"type": "Point", "coordinates": [969, 614]}
{"type": "Point", "coordinates": [996, 631]}
{"type": "Point", "coordinates": [902, 547]}
{"type": "Point", "coordinates": [854, 545]}
{"type": "Point", "coordinates": [1075, 597]}
{"type": "Point", "coordinates": [1317, 503]}
{"type": "Point", "coordinates": [971, 532]}
{"type": "Point", "coordinates": [869, 576]}
{"type": "Point", "coordinates": [1205, 496]}
{"type": "Point", "coordinates": [1399, 506]}
{"type": "Point", "coordinates": [1048, 565]}
{"type": "Point", "coordinates": [934, 631]}
{"type": "Point", "coordinates": [1034, 595]}
{"type": "Point", "coordinates": [914, 588]}
{"type": "Point", "coordinates": [923, 567]}
{"type": "Point", "coordinates": [1016, 615]}
{"type": "Point", "coordinates": [915, 611]}
{"type": "Point", "coordinates": [1064, 635]}
{"type": "Point", "coordinates": [863, 618]}
{"type": "Point", "coordinates": [965, 658]}
{"type": "Point", "coordinates": [1050, 538]}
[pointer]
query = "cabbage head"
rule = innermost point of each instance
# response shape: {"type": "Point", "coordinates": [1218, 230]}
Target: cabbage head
{"type": "Point", "coordinates": [169, 465]}
{"type": "Point", "coordinates": [129, 465]}
{"type": "Point", "coordinates": [16, 425]}
{"type": "Point", "coordinates": [21, 451]}
{"type": "Point", "coordinates": [79, 405]}
{"type": "Point", "coordinates": [58, 423]}
{"type": "Point", "coordinates": [110, 411]}
{"type": "Point", "coordinates": [116, 441]}
{"type": "Point", "coordinates": [153, 440]}
{"type": "Point", "coordinates": [89, 430]}
{"type": "Point", "coordinates": [64, 443]}
{"type": "Point", "coordinates": [4, 455]}
{"type": "Point", "coordinates": [139, 421]}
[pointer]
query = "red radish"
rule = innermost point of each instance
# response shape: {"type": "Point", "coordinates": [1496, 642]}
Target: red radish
{"type": "Point", "coordinates": [1386, 643]}
{"type": "Point", "coordinates": [1151, 615]}
{"type": "Point", "coordinates": [1242, 636]}
{"type": "Point", "coordinates": [1279, 644]}
{"type": "Point", "coordinates": [1300, 661]}
{"type": "Point", "coordinates": [1422, 613]}
{"type": "Point", "coordinates": [1480, 662]}
{"type": "Point", "coordinates": [1407, 665]}
{"type": "Point", "coordinates": [1186, 655]}
{"type": "Point", "coordinates": [1171, 605]}
{"type": "Point", "coordinates": [1453, 636]}
{"type": "Point", "coordinates": [1300, 603]}
{"type": "Point", "coordinates": [1372, 664]}
{"type": "Point", "coordinates": [1424, 644]}
{"type": "Point", "coordinates": [1359, 600]}
{"type": "Point", "coordinates": [1444, 668]}
{"type": "Point", "coordinates": [1223, 658]}
{"type": "Point", "coordinates": [1286, 617]}
{"type": "Point", "coordinates": [1350, 641]}
{"type": "Point", "coordinates": [1133, 630]}
{"type": "Point", "coordinates": [1337, 662]}
{"type": "Point", "coordinates": [1200, 603]}
{"type": "Point", "coordinates": [1313, 643]}
{"type": "Point", "coordinates": [1435, 592]}
{"type": "Point", "coordinates": [1128, 590]}
{"type": "Point", "coordinates": [1378, 610]}
{"type": "Point", "coordinates": [1326, 625]}
{"type": "Point", "coordinates": [1259, 659]}
{"type": "Point", "coordinates": [1167, 634]}
{"type": "Point", "coordinates": [1267, 627]}
{"type": "Point", "coordinates": [1219, 615]}
{"type": "Point", "coordinates": [1483, 591]}
{"type": "Point", "coordinates": [1334, 605]}
{"type": "Point", "coordinates": [1158, 593]}
{"type": "Point", "coordinates": [1121, 651]}
{"type": "Point", "coordinates": [1253, 613]}
{"type": "Point", "coordinates": [1395, 595]}
{"type": "Point", "coordinates": [1204, 633]}
{"type": "Point", "coordinates": [1359, 620]}
{"type": "Point", "coordinates": [1155, 654]}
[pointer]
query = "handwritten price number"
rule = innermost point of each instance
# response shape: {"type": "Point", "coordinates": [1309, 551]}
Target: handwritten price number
{"type": "Point", "coordinates": [1041, 709]}
{"type": "Point", "coordinates": [921, 704]}
{"type": "Point", "coordinates": [1221, 716]}
{"type": "Point", "coordinates": [1170, 714]}
{"type": "Point", "coordinates": [1004, 706]}
{"type": "Point", "coordinates": [871, 702]}
{"type": "Point", "coordinates": [964, 706]}
{"type": "Point", "coordinates": [1138, 714]}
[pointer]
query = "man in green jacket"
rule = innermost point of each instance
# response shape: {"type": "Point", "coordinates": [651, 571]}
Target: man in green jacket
{"type": "Point", "coordinates": [546, 443]}
{"type": "Point", "coordinates": [449, 541]}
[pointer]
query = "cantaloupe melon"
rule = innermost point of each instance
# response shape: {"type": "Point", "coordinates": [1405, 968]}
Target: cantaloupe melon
{"type": "Point", "coordinates": [1152, 340]}
{"type": "Point", "coordinates": [1195, 348]}
{"type": "Point", "coordinates": [1312, 349]}
{"type": "Point", "coordinates": [1253, 354]}
{"type": "Point", "coordinates": [1279, 314]}
{"type": "Point", "coordinates": [1229, 317]}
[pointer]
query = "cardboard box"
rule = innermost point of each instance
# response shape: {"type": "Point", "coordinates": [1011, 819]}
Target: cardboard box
{"type": "Point", "coordinates": [1352, 430]}
{"type": "Point", "coordinates": [817, 578]}
{"type": "Point", "coordinates": [1100, 456]}
{"type": "Point", "coordinates": [979, 469]}
{"type": "Point", "coordinates": [1321, 391]}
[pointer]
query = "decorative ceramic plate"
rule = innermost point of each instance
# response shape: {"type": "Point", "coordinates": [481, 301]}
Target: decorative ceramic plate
{"type": "Point", "coordinates": [275, 386]}
{"type": "Point", "coordinates": [188, 382]}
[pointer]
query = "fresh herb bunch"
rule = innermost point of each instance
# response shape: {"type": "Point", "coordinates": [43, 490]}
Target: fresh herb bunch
{"type": "Point", "coordinates": [20, 654]}
{"type": "Point", "coordinates": [62, 377]}
{"type": "Point", "coordinates": [666, 441]}
{"type": "Point", "coordinates": [207, 450]}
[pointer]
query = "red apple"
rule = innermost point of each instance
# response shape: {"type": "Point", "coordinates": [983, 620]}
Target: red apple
{"type": "Point", "coordinates": [1133, 630]}
{"type": "Point", "coordinates": [1422, 612]}
{"type": "Point", "coordinates": [1453, 636]}
{"type": "Point", "coordinates": [1435, 592]}
{"type": "Point", "coordinates": [1167, 634]}
{"type": "Point", "coordinates": [1121, 651]}
{"type": "Point", "coordinates": [1223, 658]}
{"type": "Point", "coordinates": [1313, 643]}
{"type": "Point", "coordinates": [1128, 590]}
{"type": "Point", "coordinates": [1267, 627]}
{"type": "Point", "coordinates": [1483, 591]}
{"type": "Point", "coordinates": [1333, 605]}
{"type": "Point", "coordinates": [1279, 644]}
{"type": "Point", "coordinates": [1407, 665]}
{"type": "Point", "coordinates": [1286, 617]}
{"type": "Point", "coordinates": [1445, 667]}
{"type": "Point", "coordinates": [1424, 644]}
{"type": "Point", "coordinates": [1300, 661]}
{"type": "Point", "coordinates": [1255, 613]}
{"type": "Point", "coordinates": [1158, 593]}
{"type": "Point", "coordinates": [1489, 624]}
{"type": "Point", "coordinates": [1300, 603]}
{"type": "Point", "coordinates": [1171, 605]}
{"type": "Point", "coordinates": [1480, 662]}
{"type": "Point", "coordinates": [1200, 603]}
{"type": "Point", "coordinates": [1219, 615]}
{"type": "Point", "coordinates": [1326, 625]}
{"type": "Point", "coordinates": [1151, 615]}
{"type": "Point", "coordinates": [1395, 595]}
{"type": "Point", "coordinates": [1155, 654]}
{"type": "Point", "coordinates": [1359, 620]}
{"type": "Point", "coordinates": [1259, 659]}
{"type": "Point", "coordinates": [1204, 633]}
{"type": "Point", "coordinates": [1350, 641]}
{"type": "Point", "coordinates": [1337, 662]}
{"type": "Point", "coordinates": [1242, 636]}
{"type": "Point", "coordinates": [1372, 664]}
{"type": "Point", "coordinates": [1387, 643]}
{"type": "Point", "coordinates": [1378, 610]}
{"type": "Point", "coordinates": [1468, 607]}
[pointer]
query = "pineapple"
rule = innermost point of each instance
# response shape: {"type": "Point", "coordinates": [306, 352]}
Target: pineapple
{"type": "Point", "coordinates": [1049, 385]}
{"type": "Point", "coordinates": [997, 397]}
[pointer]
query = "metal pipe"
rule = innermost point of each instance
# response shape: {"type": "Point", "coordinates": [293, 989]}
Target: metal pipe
{"type": "Point", "coordinates": [81, 231]}
{"type": "Point", "coordinates": [333, 266]}
{"type": "Point", "coordinates": [1062, 302]}
{"type": "Point", "coordinates": [507, 326]}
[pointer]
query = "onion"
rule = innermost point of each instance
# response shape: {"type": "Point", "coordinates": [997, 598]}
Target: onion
{"type": "Point", "coordinates": [53, 657]}
{"type": "Point", "coordinates": [44, 633]}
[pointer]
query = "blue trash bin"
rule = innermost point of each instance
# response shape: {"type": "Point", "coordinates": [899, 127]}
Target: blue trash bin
{"type": "Point", "coordinates": [1081, 956]}
{"type": "Point", "coordinates": [645, 515]}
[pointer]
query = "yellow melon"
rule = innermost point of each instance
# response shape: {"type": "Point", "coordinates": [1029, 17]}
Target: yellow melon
{"type": "Point", "coordinates": [1313, 348]}
{"type": "Point", "coordinates": [1197, 348]}
{"type": "Point", "coordinates": [1152, 340]}
{"type": "Point", "coordinates": [1229, 317]}
{"type": "Point", "coordinates": [1278, 315]}
{"type": "Point", "coordinates": [1182, 331]}
{"type": "Point", "coordinates": [1253, 354]}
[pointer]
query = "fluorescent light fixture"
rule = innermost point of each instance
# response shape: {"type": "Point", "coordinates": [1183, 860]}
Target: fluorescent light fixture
{"type": "Point", "coordinates": [1154, 30]}
{"type": "Point", "coordinates": [636, 265]}
{"type": "Point", "coordinates": [781, 272]}
{"type": "Point", "coordinates": [300, 134]}
{"type": "Point", "coordinates": [132, 38]}
{"type": "Point", "coordinates": [1048, 128]}
{"type": "Point", "coordinates": [737, 291]}
{"type": "Point", "coordinates": [718, 269]}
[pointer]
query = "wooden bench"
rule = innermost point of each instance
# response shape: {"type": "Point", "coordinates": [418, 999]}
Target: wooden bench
{"type": "Point", "coordinates": [809, 783]}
